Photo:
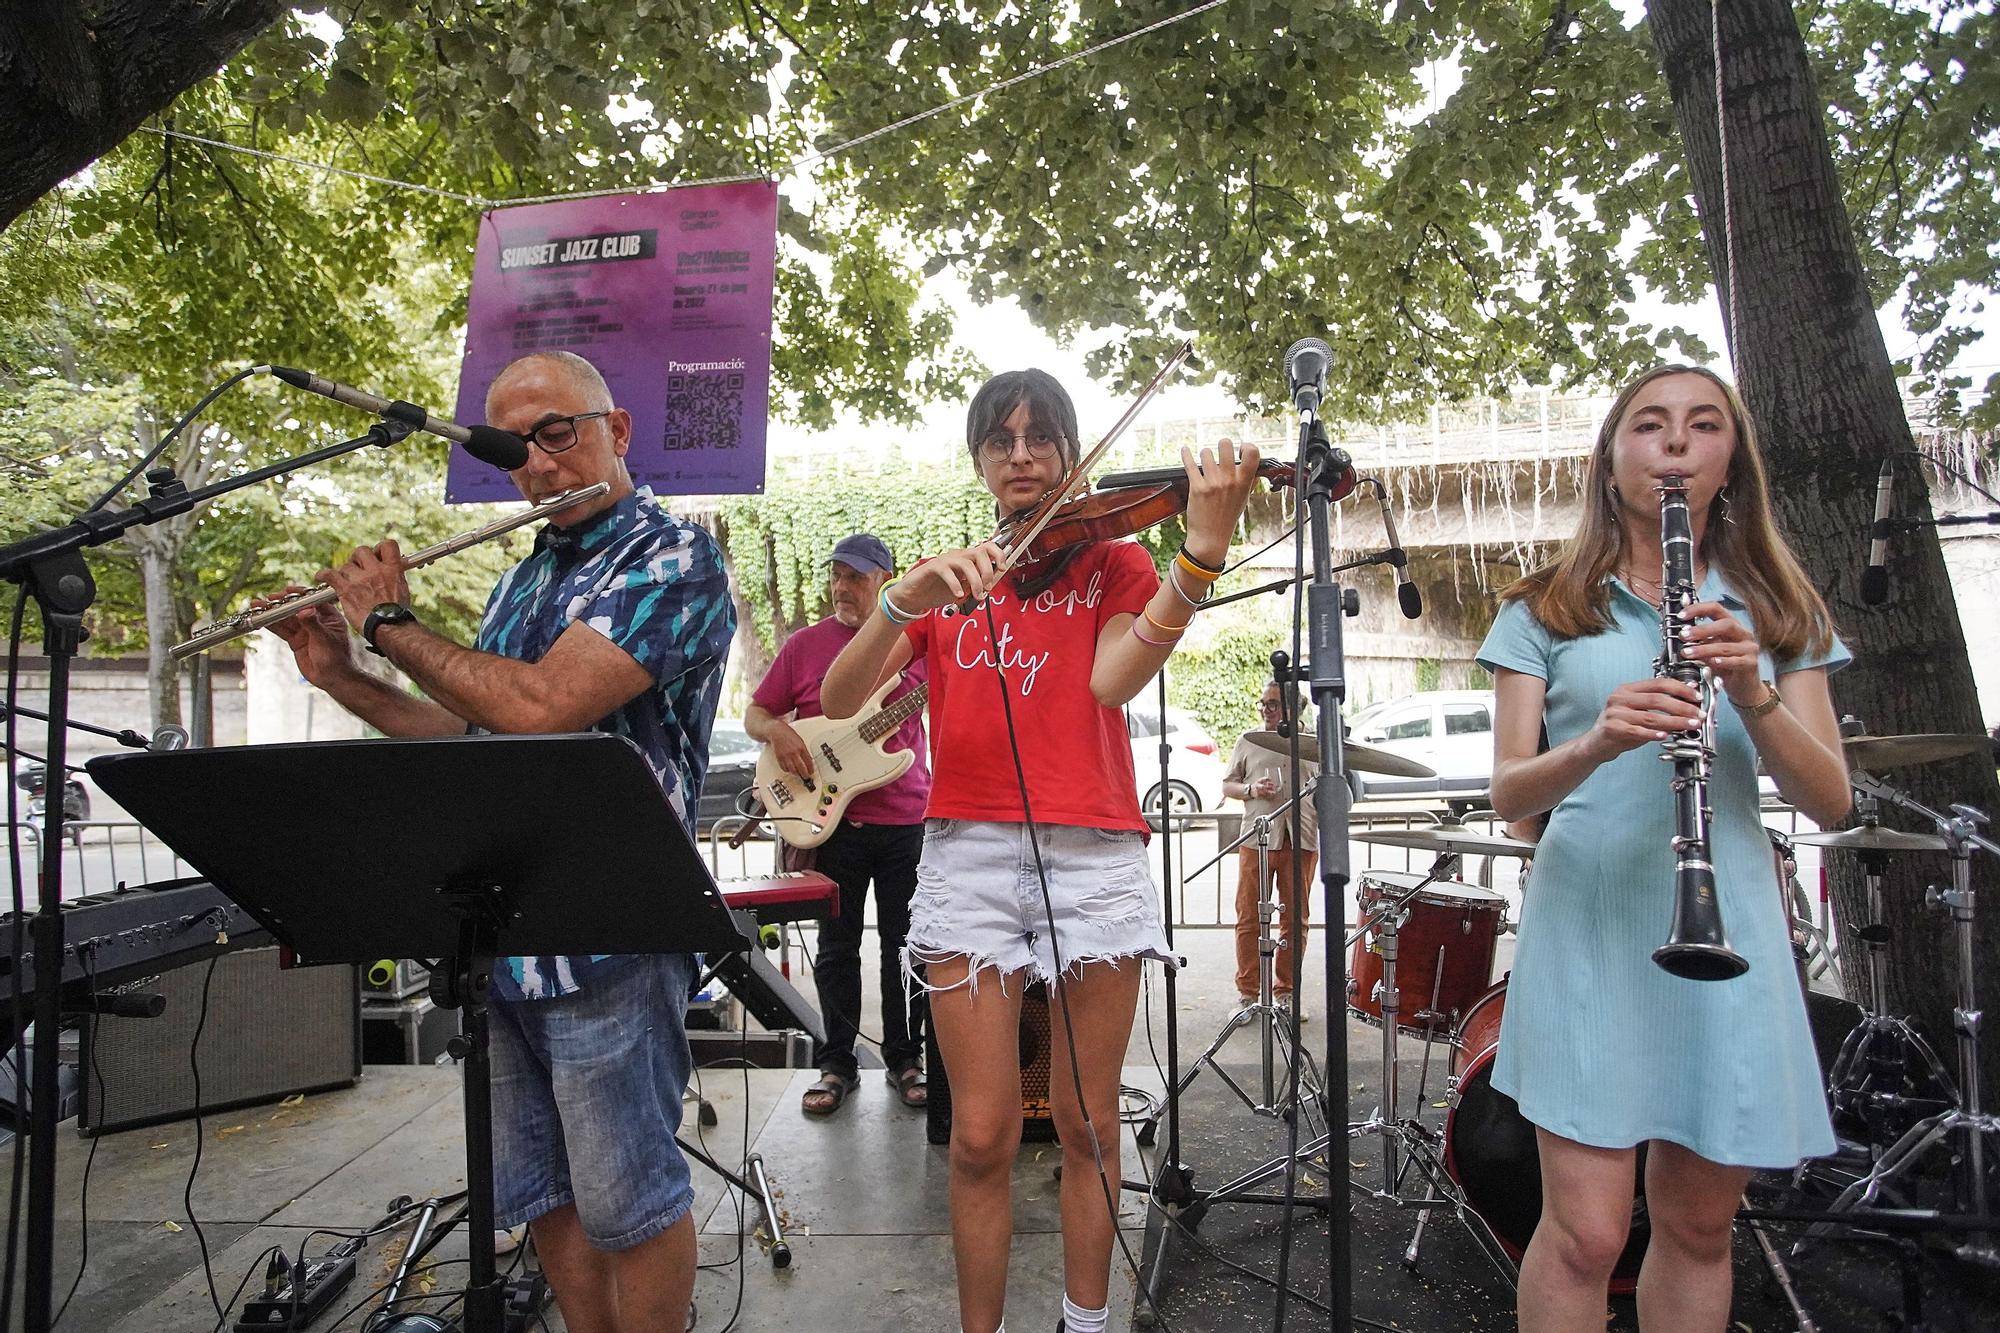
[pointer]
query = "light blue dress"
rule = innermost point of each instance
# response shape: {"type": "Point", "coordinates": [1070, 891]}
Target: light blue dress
{"type": "Point", "coordinates": [1598, 1043]}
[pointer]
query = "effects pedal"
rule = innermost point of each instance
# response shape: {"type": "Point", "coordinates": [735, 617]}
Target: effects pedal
{"type": "Point", "coordinates": [275, 1307]}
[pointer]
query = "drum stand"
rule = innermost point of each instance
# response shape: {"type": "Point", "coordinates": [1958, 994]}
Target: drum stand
{"type": "Point", "coordinates": [1414, 1142]}
{"type": "Point", "coordinates": [1273, 1023]}
{"type": "Point", "coordinates": [1872, 1076]}
{"type": "Point", "coordinates": [1964, 1125]}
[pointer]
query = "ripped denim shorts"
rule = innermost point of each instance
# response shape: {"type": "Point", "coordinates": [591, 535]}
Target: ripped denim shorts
{"type": "Point", "coordinates": [978, 895]}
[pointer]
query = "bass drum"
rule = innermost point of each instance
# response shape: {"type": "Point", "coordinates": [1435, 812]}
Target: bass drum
{"type": "Point", "coordinates": [1489, 1147]}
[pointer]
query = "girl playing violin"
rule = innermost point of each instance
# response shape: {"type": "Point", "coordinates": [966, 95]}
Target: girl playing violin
{"type": "Point", "coordinates": [1039, 668]}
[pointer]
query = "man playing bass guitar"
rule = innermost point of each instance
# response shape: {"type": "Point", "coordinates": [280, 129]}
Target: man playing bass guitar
{"type": "Point", "coordinates": [879, 837]}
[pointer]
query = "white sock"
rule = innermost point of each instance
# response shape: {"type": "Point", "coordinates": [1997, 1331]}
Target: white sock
{"type": "Point", "coordinates": [1076, 1319]}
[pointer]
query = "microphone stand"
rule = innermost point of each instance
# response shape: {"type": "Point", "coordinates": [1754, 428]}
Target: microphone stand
{"type": "Point", "coordinates": [50, 567]}
{"type": "Point", "coordinates": [1320, 468]}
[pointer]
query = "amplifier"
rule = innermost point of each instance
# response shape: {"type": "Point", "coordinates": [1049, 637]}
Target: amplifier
{"type": "Point", "coordinates": [270, 1032]}
{"type": "Point", "coordinates": [1038, 1123]}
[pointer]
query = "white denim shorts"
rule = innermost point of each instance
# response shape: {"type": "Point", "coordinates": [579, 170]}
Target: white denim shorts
{"type": "Point", "coordinates": [979, 896]}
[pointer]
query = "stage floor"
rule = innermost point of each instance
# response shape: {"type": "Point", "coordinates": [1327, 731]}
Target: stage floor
{"type": "Point", "coordinates": [863, 1198]}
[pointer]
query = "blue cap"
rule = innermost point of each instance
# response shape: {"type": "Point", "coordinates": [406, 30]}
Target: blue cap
{"type": "Point", "coordinates": [864, 552]}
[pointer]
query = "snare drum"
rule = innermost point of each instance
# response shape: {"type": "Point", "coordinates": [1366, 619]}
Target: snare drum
{"type": "Point", "coordinates": [1489, 1147]}
{"type": "Point", "coordinates": [1444, 948]}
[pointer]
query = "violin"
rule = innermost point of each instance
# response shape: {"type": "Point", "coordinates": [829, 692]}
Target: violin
{"type": "Point", "coordinates": [1131, 503]}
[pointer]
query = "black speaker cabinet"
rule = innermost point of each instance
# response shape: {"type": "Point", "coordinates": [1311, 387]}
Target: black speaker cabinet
{"type": "Point", "coordinates": [1038, 1124]}
{"type": "Point", "coordinates": [270, 1032]}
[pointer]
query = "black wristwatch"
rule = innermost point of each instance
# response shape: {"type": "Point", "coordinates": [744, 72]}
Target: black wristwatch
{"type": "Point", "coordinates": [385, 613]}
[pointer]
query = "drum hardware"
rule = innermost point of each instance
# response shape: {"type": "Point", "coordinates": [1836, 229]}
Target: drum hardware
{"type": "Point", "coordinates": [1448, 838]}
{"type": "Point", "coordinates": [1811, 948]}
{"type": "Point", "coordinates": [1407, 1142]}
{"type": "Point", "coordinates": [1274, 1024]}
{"type": "Point", "coordinates": [1780, 1274]}
{"type": "Point", "coordinates": [1964, 1128]}
{"type": "Point", "coordinates": [1874, 1078]}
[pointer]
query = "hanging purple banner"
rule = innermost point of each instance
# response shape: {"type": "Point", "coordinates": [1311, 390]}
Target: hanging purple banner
{"type": "Point", "coordinates": [667, 294]}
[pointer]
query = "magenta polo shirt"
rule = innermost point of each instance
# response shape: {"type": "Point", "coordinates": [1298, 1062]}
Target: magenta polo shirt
{"type": "Point", "coordinates": [792, 685]}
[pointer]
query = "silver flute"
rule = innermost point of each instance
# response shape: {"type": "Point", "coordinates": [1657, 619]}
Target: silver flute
{"type": "Point", "coordinates": [290, 604]}
{"type": "Point", "coordinates": [1696, 946]}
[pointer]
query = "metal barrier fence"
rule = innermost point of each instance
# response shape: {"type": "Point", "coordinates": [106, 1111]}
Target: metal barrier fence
{"type": "Point", "coordinates": [105, 853]}
{"type": "Point", "coordinates": [1206, 900]}
{"type": "Point", "coordinates": [100, 855]}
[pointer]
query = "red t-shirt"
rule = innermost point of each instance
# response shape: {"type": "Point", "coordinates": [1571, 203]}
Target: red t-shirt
{"type": "Point", "coordinates": [1077, 753]}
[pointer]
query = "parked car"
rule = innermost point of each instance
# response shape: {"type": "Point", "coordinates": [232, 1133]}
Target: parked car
{"type": "Point", "coordinates": [1194, 770]}
{"type": "Point", "coordinates": [1450, 731]}
{"type": "Point", "coordinates": [732, 767]}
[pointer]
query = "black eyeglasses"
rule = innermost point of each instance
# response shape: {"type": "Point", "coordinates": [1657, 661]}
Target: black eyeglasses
{"type": "Point", "coordinates": [998, 445]}
{"type": "Point", "coordinates": [558, 435]}
{"type": "Point", "coordinates": [1271, 703]}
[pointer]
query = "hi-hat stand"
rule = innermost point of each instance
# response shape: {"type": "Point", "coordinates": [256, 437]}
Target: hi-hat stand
{"type": "Point", "coordinates": [1272, 1021]}
{"type": "Point", "coordinates": [1964, 1130]}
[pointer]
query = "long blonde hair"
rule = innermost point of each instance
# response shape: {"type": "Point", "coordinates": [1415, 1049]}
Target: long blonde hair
{"type": "Point", "coordinates": [1570, 596]}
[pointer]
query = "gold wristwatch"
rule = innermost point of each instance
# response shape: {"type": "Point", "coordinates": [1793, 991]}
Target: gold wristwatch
{"type": "Point", "coordinates": [1770, 700]}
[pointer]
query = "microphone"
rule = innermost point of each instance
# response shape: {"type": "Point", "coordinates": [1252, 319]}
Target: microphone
{"type": "Point", "coordinates": [489, 444]}
{"type": "Point", "coordinates": [1408, 595]}
{"type": "Point", "coordinates": [1306, 364]}
{"type": "Point", "coordinates": [1875, 578]}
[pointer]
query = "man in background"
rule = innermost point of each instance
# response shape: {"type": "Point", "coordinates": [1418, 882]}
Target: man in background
{"type": "Point", "coordinates": [880, 836]}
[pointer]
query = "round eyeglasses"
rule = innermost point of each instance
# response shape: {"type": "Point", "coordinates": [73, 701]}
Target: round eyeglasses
{"type": "Point", "coordinates": [998, 446]}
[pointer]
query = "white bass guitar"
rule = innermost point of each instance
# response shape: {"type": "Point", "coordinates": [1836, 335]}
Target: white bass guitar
{"type": "Point", "coordinates": [849, 755]}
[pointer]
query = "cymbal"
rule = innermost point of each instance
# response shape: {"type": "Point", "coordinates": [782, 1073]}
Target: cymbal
{"type": "Point", "coordinates": [1871, 838]}
{"type": "Point", "coordinates": [1365, 758]}
{"type": "Point", "coordinates": [1455, 839]}
{"type": "Point", "coordinates": [1872, 752]}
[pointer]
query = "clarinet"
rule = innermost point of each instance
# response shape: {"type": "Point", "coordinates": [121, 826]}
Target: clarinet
{"type": "Point", "coordinates": [1696, 947]}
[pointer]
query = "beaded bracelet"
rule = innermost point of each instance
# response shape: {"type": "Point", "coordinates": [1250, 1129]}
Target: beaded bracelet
{"type": "Point", "coordinates": [897, 616]}
{"type": "Point", "coordinates": [1214, 572]}
{"type": "Point", "coordinates": [1146, 638]}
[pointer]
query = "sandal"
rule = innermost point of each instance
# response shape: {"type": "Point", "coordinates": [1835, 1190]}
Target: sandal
{"type": "Point", "coordinates": [826, 1096]}
{"type": "Point", "coordinates": [908, 1081]}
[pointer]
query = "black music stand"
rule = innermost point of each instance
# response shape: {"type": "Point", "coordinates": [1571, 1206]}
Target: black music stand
{"type": "Point", "coordinates": [462, 848]}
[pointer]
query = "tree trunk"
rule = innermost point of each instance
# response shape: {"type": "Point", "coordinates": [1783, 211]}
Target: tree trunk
{"type": "Point", "coordinates": [81, 77]}
{"type": "Point", "coordinates": [1817, 377]}
{"type": "Point", "coordinates": [156, 578]}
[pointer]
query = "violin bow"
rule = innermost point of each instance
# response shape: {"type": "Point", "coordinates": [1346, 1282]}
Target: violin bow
{"type": "Point", "coordinates": [1067, 487]}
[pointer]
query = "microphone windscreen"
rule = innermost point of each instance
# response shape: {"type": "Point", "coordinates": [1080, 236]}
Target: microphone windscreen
{"type": "Point", "coordinates": [1874, 585]}
{"type": "Point", "coordinates": [502, 448]}
{"type": "Point", "coordinates": [1411, 600]}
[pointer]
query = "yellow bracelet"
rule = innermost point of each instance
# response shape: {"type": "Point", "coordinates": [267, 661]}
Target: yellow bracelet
{"type": "Point", "coordinates": [1194, 571]}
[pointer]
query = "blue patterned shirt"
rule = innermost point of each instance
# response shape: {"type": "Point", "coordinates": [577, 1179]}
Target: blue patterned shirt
{"type": "Point", "coordinates": [654, 585]}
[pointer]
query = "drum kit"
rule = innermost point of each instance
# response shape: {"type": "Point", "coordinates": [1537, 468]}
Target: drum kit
{"type": "Point", "coordinates": [1432, 937]}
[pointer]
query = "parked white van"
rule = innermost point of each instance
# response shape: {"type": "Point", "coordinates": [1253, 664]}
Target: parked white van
{"type": "Point", "coordinates": [1450, 731]}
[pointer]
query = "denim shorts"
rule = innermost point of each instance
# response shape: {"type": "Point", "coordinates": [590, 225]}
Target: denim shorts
{"type": "Point", "coordinates": [979, 896]}
{"type": "Point", "coordinates": [587, 1100]}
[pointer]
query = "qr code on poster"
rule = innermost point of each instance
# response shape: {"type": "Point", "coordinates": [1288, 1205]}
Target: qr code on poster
{"type": "Point", "coordinates": [704, 410]}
